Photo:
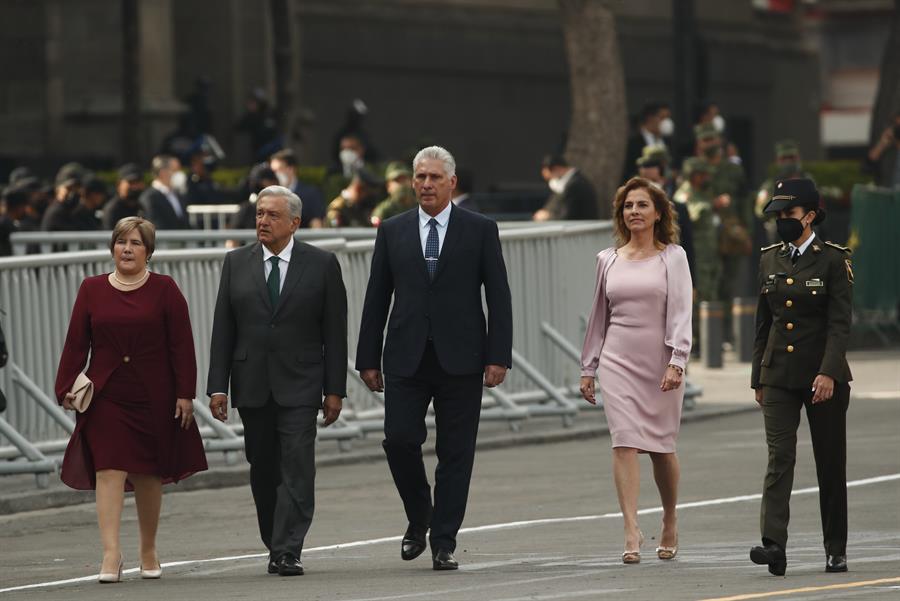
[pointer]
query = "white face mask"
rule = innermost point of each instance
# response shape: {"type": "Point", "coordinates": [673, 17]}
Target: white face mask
{"type": "Point", "coordinates": [178, 182]}
{"type": "Point", "coordinates": [350, 161]}
{"type": "Point", "coordinates": [719, 123]}
{"type": "Point", "coordinates": [556, 185]}
{"type": "Point", "coordinates": [283, 179]}
{"type": "Point", "coordinates": [667, 127]}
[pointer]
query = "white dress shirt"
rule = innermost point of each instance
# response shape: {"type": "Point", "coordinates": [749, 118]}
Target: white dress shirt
{"type": "Point", "coordinates": [172, 198]}
{"type": "Point", "coordinates": [802, 248]}
{"type": "Point", "coordinates": [284, 260]}
{"type": "Point", "coordinates": [442, 218]}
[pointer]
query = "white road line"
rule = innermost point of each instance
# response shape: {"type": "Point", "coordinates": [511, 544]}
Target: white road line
{"type": "Point", "coordinates": [485, 528]}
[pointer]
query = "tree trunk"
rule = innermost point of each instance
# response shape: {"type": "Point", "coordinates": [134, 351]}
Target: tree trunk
{"type": "Point", "coordinates": [887, 100]}
{"type": "Point", "coordinates": [286, 62]}
{"type": "Point", "coordinates": [131, 81]}
{"type": "Point", "coordinates": [599, 127]}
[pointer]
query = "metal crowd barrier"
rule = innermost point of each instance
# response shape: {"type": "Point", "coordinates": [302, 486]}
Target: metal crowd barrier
{"type": "Point", "coordinates": [211, 217]}
{"type": "Point", "coordinates": [551, 272]}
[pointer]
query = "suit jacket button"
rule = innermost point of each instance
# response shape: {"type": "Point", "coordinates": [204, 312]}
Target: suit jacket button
{"type": "Point", "coordinates": [790, 348]}
{"type": "Point", "coordinates": [790, 281]}
{"type": "Point", "coordinates": [790, 326]}
{"type": "Point", "coordinates": [126, 358]}
{"type": "Point", "coordinates": [789, 303]}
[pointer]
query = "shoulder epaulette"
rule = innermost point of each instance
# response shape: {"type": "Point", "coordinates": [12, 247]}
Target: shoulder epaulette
{"type": "Point", "coordinates": [839, 247]}
{"type": "Point", "coordinates": [770, 247]}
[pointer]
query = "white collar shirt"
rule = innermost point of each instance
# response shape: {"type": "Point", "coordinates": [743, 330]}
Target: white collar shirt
{"type": "Point", "coordinates": [802, 248]}
{"type": "Point", "coordinates": [284, 261]}
{"type": "Point", "coordinates": [442, 218]}
{"type": "Point", "coordinates": [170, 196]}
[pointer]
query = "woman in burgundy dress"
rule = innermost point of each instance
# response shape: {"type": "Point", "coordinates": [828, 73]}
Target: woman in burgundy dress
{"type": "Point", "coordinates": [138, 433]}
{"type": "Point", "coordinates": [638, 341]}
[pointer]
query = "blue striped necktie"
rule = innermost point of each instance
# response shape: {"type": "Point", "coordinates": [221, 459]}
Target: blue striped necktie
{"type": "Point", "coordinates": [431, 248]}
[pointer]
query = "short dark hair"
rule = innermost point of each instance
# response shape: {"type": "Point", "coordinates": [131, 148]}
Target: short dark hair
{"type": "Point", "coordinates": [160, 162]}
{"type": "Point", "coordinates": [702, 107]}
{"type": "Point", "coordinates": [649, 110]}
{"type": "Point", "coordinates": [286, 156]}
{"type": "Point", "coordinates": [554, 160]}
{"type": "Point", "coordinates": [464, 180]}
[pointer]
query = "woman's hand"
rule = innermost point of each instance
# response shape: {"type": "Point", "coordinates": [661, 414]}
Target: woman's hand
{"type": "Point", "coordinates": [67, 401]}
{"type": "Point", "coordinates": [671, 379]}
{"type": "Point", "coordinates": [184, 410]}
{"type": "Point", "coordinates": [822, 388]}
{"type": "Point", "coordinates": [758, 394]}
{"type": "Point", "coordinates": [587, 389]}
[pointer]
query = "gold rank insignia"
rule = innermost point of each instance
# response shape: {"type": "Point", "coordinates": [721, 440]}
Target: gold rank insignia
{"type": "Point", "coordinates": [849, 270]}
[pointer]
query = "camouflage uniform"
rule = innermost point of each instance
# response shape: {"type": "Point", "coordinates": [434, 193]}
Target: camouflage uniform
{"type": "Point", "coordinates": [402, 199]}
{"type": "Point", "coordinates": [705, 223]}
{"type": "Point", "coordinates": [783, 148]}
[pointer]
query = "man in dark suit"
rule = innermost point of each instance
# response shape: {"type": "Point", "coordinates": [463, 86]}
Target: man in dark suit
{"type": "Point", "coordinates": [433, 260]}
{"type": "Point", "coordinates": [280, 336]}
{"type": "Point", "coordinates": [161, 203]}
{"type": "Point", "coordinates": [573, 195]}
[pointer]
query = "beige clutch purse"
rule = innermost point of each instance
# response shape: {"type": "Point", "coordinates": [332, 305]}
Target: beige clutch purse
{"type": "Point", "coordinates": [83, 389]}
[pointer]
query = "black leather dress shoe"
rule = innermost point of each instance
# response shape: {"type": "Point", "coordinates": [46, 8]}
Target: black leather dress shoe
{"type": "Point", "coordinates": [413, 543]}
{"type": "Point", "coordinates": [289, 565]}
{"type": "Point", "coordinates": [836, 563]}
{"type": "Point", "coordinates": [444, 560]}
{"type": "Point", "coordinates": [272, 568]}
{"type": "Point", "coordinates": [771, 555]}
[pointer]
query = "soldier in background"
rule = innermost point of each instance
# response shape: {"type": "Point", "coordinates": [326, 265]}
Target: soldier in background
{"type": "Point", "coordinates": [353, 206]}
{"type": "Point", "coordinates": [789, 166]}
{"type": "Point", "coordinates": [126, 202]}
{"type": "Point", "coordinates": [58, 216]}
{"type": "Point", "coordinates": [85, 216]}
{"type": "Point", "coordinates": [401, 197]}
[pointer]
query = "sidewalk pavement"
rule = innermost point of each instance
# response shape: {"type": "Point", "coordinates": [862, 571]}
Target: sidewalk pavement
{"type": "Point", "coordinates": [726, 391]}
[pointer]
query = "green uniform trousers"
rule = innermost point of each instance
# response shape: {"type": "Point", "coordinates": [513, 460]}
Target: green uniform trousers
{"type": "Point", "coordinates": [828, 430]}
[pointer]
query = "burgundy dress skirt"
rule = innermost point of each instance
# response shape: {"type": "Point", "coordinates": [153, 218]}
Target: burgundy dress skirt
{"type": "Point", "coordinates": [142, 360]}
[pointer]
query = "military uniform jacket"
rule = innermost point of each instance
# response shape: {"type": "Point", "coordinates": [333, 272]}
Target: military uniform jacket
{"type": "Point", "coordinates": [802, 316]}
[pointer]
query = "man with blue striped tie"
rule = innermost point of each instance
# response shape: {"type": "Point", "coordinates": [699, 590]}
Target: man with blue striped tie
{"type": "Point", "coordinates": [434, 260]}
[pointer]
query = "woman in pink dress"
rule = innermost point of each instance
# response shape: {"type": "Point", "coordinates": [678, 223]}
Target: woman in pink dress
{"type": "Point", "coordinates": [637, 343]}
{"type": "Point", "coordinates": [138, 432]}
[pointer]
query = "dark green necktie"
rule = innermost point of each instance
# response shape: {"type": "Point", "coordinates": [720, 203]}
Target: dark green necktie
{"type": "Point", "coordinates": [274, 281]}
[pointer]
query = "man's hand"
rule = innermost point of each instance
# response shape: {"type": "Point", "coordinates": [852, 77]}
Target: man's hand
{"type": "Point", "coordinates": [67, 401]}
{"type": "Point", "coordinates": [184, 411]}
{"type": "Point", "coordinates": [373, 379]}
{"type": "Point", "coordinates": [494, 375]}
{"type": "Point", "coordinates": [541, 215]}
{"type": "Point", "coordinates": [218, 405]}
{"type": "Point", "coordinates": [331, 408]}
{"type": "Point", "coordinates": [722, 201]}
{"type": "Point", "coordinates": [759, 396]}
{"type": "Point", "coordinates": [823, 388]}
{"type": "Point", "coordinates": [587, 389]}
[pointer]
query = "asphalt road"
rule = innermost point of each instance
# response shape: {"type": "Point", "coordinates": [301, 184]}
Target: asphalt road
{"type": "Point", "coordinates": [541, 525]}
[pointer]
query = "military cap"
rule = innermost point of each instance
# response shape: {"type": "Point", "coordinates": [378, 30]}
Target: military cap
{"type": "Point", "coordinates": [786, 148]}
{"type": "Point", "coordinates": [258, 174]}
{"type": "Point", "coordinates": [14, 195]}
{"type": "Point", "coordinates": [704, 131]}
{"type": "Point", "coordinates": [29, 183]}
{"type": "Point", "coordinates": [396, 169]}
{"type": "Point", "coordinates": [94, 185]}
{"type": "Point", "coordinates": [19, 173]}
{"type": "Point", "coordinates": [800, 192]}
{"type": "Point", "coordinates": [694, 165]}
{"type": "Point", "coordinates": [130, 173]}
{"type": "Point", "coordinates": [653, 156]}
{"type": "Point", "coordinates": [69, 173]}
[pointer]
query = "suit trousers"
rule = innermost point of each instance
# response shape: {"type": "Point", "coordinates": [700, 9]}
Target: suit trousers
{"type": "Point", "coordinates": [828, 430]}
{"type": "Point", "coordinates": [457, 408]}
{"type": "Point", "coordinates": [280, 447]}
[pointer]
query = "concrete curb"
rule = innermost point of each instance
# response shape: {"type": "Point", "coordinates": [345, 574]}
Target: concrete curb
{"type": "Point", "coordinates": [227, 477]}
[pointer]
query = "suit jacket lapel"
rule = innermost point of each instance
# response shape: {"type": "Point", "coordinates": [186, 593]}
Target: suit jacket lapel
{"type": "Point", "coordinates": [451, 239]}
{"type": "Point", "coordinates": [295, 270]}
{"type": "Point", "coordinates": [414, 242]}
{"type": "Point", "coordinates": [257, 272]}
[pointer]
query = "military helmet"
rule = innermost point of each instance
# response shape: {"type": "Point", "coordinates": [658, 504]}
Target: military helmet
{"type": "Point", "coordinates": [786, 148]}
{"type": "Point", "coordinates": [694, 165]}
{"type": "Point", "coordinates": [653, 156]}
{"type": "Point", "coordinates": [396, 169]}
{"type": "Point", "coordinates": [705, 131]}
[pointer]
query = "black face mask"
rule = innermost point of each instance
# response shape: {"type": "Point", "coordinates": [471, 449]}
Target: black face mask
{"type": "Point", "coordinates": [789, 228]}
{"type": "Point", "coordinates": [72, 199]}
{"type": "Point", "coordinates": [133, 195]}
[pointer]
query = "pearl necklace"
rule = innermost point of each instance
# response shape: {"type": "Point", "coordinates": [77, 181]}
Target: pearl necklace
{"type": "Point", "coordinates": [135, 283]}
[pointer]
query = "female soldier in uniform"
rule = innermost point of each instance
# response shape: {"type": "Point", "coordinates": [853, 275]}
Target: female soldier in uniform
{"type": "Point", "coordinates": [799, 360]}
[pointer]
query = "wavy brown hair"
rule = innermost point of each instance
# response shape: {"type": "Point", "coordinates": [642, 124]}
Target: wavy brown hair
{"type": "Point", "coordinates": [665, 231]}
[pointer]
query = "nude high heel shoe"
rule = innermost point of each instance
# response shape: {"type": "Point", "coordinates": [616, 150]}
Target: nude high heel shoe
{"type": "Point", "coordinates": [630, 557]}
{"type": "Point", "coordinates": [109, 577]}
{"type": "Point", "coordinates": [151, 574]}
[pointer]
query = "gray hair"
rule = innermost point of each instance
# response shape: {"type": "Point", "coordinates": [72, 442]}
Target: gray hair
{"type": "Point", "coordinates": [295, 205]}
{"type": "Point", "coordinates": [438, 153]}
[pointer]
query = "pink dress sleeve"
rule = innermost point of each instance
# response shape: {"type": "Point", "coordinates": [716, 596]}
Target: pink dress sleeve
{"type": "Point", "coordinates": [77, 345]}
{"type": "Point", "coordinates": [679, 304]}
{"type": "Point", "coordinates": [181, 343]}
{"type": "Point", "coordinates": [597, 322]}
